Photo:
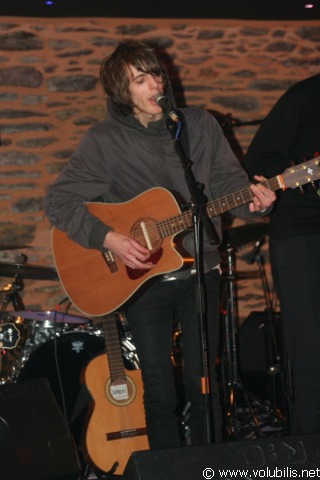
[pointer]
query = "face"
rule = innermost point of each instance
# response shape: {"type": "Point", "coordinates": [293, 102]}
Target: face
{"type": "Point", "coordinates": [143, 87]}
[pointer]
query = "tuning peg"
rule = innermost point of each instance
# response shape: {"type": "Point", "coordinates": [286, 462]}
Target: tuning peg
{"type": "Point", "coordinates": [301, 187]}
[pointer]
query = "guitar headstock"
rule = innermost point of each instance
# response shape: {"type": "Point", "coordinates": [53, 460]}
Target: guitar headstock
{"type": "Point", "coordinates": [9, 335]}
{"type": "Point", "coordinates": [301, 174]}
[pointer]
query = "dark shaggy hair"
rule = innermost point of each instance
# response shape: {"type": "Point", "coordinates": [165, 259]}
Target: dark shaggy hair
{"type": "Point", "coordinates": [114, 71]}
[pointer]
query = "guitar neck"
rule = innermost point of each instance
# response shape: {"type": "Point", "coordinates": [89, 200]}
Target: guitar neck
{"type": "Point", "coordinates": [292, 177]}
{"type": "Point", "coordinates": [214, 208]}
{"type": "Point", "coordinates": [113, 348]}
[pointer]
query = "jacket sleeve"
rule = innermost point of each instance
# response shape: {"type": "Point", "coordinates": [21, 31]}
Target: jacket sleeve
{"type": "Point", "coordinates": [268, 153]}
{"type": "Point", "coordinates": [83, 179]}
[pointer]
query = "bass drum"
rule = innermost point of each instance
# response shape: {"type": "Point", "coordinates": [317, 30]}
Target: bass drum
{"type": "Point", "coordinates": [61, 361]}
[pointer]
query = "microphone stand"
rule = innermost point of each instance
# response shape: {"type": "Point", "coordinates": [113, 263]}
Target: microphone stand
{"type": "Point", "coordinates": [200, 221]}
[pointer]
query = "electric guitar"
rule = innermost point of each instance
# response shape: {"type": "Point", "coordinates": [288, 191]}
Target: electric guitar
{"type": "Point", "coordinates": [117, 425]}
{"type": "Point", "coordinates": [98, 283]}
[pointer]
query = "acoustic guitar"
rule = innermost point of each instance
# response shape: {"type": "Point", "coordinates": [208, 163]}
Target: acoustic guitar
{"type": "Point", "coordinates": [117, 424]}
{"type": "Point", "coordinates": [97, 283]}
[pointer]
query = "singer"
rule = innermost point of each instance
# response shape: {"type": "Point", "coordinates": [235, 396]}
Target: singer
{"type": "Point", "coordinates": [119, 158]}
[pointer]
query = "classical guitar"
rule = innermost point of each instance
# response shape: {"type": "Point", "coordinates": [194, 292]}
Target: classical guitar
{"type": "Point", "coordinates": [117, 424]}
{"type": "Point", "coordinates": [97, 283]}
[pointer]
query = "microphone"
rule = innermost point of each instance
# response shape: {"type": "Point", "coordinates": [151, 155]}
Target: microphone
{"type": "Point", "coordinates": [166, 106]}
{"type": "Point", "coordinates": [255, 250]}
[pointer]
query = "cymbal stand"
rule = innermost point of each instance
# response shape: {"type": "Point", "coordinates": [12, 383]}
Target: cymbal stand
{"type": "Point", "coordinates": [239, 402]}
{"type": "Point", "coordinates": [273, 357]}
{"type": "Point", "coordinates": [11, 294]}
{"type": "Point", "coordinates": [11, 291]}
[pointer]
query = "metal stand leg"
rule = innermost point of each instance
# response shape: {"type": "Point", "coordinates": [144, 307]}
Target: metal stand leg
{"type": "Point", "coordinates": [242, 406]}
{"type": "Point", "coordinates": [275, 373]}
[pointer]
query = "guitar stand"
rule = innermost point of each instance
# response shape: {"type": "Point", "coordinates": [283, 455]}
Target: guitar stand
{"type": "Point", "coordinates": [242, 406]}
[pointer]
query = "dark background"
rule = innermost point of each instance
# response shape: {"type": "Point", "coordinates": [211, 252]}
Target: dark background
{"type": "Point", "coordinates": [241, 9]}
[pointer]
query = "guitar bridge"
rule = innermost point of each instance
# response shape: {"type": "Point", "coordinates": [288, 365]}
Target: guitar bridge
{"type": "Point", "coordinates": [132, 432]}
{"type": "Point", "coordinates": [110, 260]}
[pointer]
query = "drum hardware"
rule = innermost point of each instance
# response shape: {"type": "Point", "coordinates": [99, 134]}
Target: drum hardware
{"type": "Point", "coordinates": [11, 293]}
{"type": "Point", "coordinates": [7, 246]}
{"type": "Point", "coordinates": [273, 357]}
{"type": "Point", "coordinates": [244, 234]}
{"type": "Point", "coordinates": [28, 271]}
{"type": "Point", "coordinates": [242, 406]}
{"type": "Point", "coordinates": [9, 335]}
{"type": "Point", "coordinates": [129, 353]}
{"type": "Point", "coordinates": [14, 360]}
{"type": "Point", "coordinates": [53, 316]}
{"type": "Point", "coordinates": [41, 326]}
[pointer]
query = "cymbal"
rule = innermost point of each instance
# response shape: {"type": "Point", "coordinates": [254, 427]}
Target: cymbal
{"type": "Point", "coordinates": [239, 236]}
{"type": "Point", "coordinates": [27, 270]}
{"type": "Point", "coordinates": [51, 316]}
{"type": "Point", "coordinates": [5, 246]}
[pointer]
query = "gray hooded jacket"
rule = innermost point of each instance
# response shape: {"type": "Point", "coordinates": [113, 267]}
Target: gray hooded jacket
{"type": "Point", "coordinates": [118, 159]}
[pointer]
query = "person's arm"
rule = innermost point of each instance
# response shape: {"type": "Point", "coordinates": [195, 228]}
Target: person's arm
{"type": "Point", "coordinates": [228, 176]}
{"type": "Point", "coordinates": [83, 179]}
{"type": "Point", "coordinates": [268, 153]}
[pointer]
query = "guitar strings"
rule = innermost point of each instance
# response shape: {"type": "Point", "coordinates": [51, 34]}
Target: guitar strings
{"type": "Point", "coordinates": [183, 220]}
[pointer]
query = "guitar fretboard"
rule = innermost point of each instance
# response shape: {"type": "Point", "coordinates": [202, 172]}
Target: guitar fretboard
{"type": "Point", "coordinates": [183, 221]}
{"type": "Point", "coordinates": [113, 348]}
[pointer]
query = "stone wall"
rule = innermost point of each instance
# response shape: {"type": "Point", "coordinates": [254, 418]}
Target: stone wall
{"type": "Point", "coordinates": [50, 94]}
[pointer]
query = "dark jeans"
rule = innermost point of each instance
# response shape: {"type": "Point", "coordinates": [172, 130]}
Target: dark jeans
{"type": "Point", "coordinates": [151, 322]}
{"type": "Point", "coordinates": [296, 271]}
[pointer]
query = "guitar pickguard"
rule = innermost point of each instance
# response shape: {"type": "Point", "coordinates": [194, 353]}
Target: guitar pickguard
{"type": "Point", "coordinates": [136, 274]}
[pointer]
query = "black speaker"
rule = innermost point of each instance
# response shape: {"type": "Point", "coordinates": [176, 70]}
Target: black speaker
{"type": "Point", "coordinates": [35, 442]}
{"type": "Point", "coordinates": [284, 457]}
{"type": "Point", "coordinates": [256, 339]}
{"type": "Point", "coordinates": [259, 343]}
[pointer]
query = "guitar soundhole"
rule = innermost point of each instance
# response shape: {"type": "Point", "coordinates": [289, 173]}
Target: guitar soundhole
{"type": "Point", "coordinates": [121, 392]}
{"type": "Point", "coordinates": [146, 232]}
